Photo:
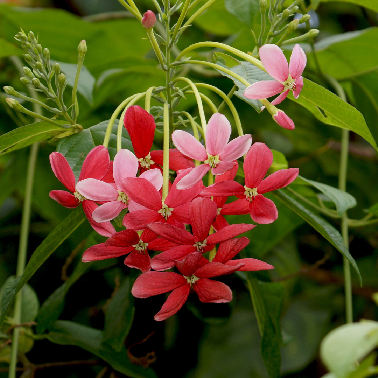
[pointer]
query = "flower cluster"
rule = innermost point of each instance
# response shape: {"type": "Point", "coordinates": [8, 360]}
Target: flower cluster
{"type": "Point", "coordinates": [187, 230]}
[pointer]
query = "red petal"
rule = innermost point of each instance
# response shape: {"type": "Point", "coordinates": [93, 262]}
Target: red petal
{"type": "Point", "coordinates": [166, 260]}
{"type": "Point", "coordinates": [154, 283]}
{"type": "Point", "coordinates": [278, 180]}
{"type": "Point", "coordinates": [174, 302]}
{"type": "Point", "coordinates": [64, 198]}
{"type": "Point", "coordinates": [138, 220]}
{"type": "Point", "coordinates": [229, 175]}
{"type": "Point", "coordinates": [138, 260]}
{"type": "Point", "coordinates": [96, 164]}
{"type": "Point", "coordinates": [172, 233]}
{"type": "Point", "coordinates": [263, 210]}
{"type": "Point", "coordinates": [203, 211]}
{"type": "Point", "coordinates": [257, 162]}
{"type": "Point", "coordinates": [229, 232]}
{"type": "Point", "coordinates": [159, 244]}
{"type": "Point", "coordinates": [125, 238]}
{"type": "Point", "coordinates": [209, 291]}
{"type": "Point", "coordinates": [215, 269]}
{"type": "Point", "coordinates": [102, 252]}
{"type": "Point", "coordinates": [104, 228]}
{"type": "Point", "coordinates": [189, 264]}
{"type": "Point", "coordinates": [141, 127]}
{"type": "Point", "coordinates": [181, 213]}
{"type": "Point", "coordinates": [177, 160]}
{"type": "Point", "coordinates": [224, 189]}
{"type": "Point", "coordinates": [250, 265]}
{"type": "Point", "coordinates": [143, 192]}
{"type": "Point", "coordinates": [238, 207]}
{"type": "Point", "coordinates": [220, 222]}
{"type": "Point", "coordinates": [229, 249]}
{"type": "Point", "coordinates": [109, 174]}
{"type": "Point", "coordinates": [62, 170]}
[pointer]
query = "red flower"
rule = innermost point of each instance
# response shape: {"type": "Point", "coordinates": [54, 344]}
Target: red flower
{"type": "Point", "coordinates": [95, 165]}
{"type": "Point", "coordinates": [196, 273]}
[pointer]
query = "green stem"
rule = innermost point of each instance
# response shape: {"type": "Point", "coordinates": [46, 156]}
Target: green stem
{"type": "Point", "coordinates": [229, 95]}
{"type": "Point", "coordinates": [212, 106]}
{"type": "Point", "coordinates": [361, 223]}
{"type": "Point", "coordinates": [147, 103]}
{"type": "Point", "coordinates": [166, 152]}
{"type": "Point", "coordinates": [131, 10]}
{"type": "Point", "coordinates": [193, 4]}
{"type": "Point", "coordinates": [199, 12]}
{"type": "Point", "coordinates": [180, 20]}
{"type": "Point", "coordinates": [240, 54]}
{"type": "Point", "coordinates": [155, 46]}
{"type": "Point", "coordinates": [75, 106]}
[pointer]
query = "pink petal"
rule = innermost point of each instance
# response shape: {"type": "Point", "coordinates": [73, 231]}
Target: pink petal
{"type": "Point", "coordinates": [167, 259]}
{"type": "Point", "coordinates": [138, 260]}
{"type": "Point", "coordinates": [219, 223]}
{"type": "Point", "coordinates": [172, 233]}
{"type": "Point", "coordinates": [107, 211]}
{"type": "Point", "coordinates": [263, 210]}
{"type": "Point", "coordinates": [105, 228]}
{"type": "Point", "coordinates": [97, 190]}
{"type": "Point", "coordinates": [236, 148]}
{"type": "Point", "coordinates": [215, 269]}
{"type": "Point", "coordinates": [209, 291]}
{"type": "Point", "coordinates": [274, 62]}
{"type": "Point", "coordinates": [250, 265]}
{"type": "Point", "coordinates": [125, 238]}
{"type": "Point", "coordinates": [102, 252]}
{"type": "Point", "coordinates": [154, 283]}
{"type": "Point", "coordinates": [280, 98]}
{"type": "Point", "coordinates": [299, 86]}
{"type": "Point", "coordinates": [138, 220]}
{"type": "Point", "coordinates": [218, 133]}
{"type": "Point", "coordinates": [228, 175]}
{"type": "Point", "coordinates": [229, 249]}
{"type": "Point", "coordinates": [173, 303]}
{"type": "Point", "coordinates": [141, 127]}
{"type": "Point", "coordinates": [125, 165]}
{"type": "Point", "coordinates": [223, 189]}
{"type": "Point", "coordinates": [298, 62]}
{"type": "Point", "coordinates": [133, 206]}
{"type": "Point", "coordinates": [263, 89]}
{"type": "Point", "coordinates": [64, 198]}
{"type": "Point", "coordinates": [188, 145]}
{"type": "Point", "coordinates": [154, 176]}
{"type": "Point", "coordinates": [189, 264]}
{"type": "Point", "coordinates": [193, 177]}
{"type": "Point", "coordinates": [283, 120]}
{"type": "Point", "coordinates": [229, 232]}
{"type": "Point", "coordinates": [62, 170]}
{"type": "Point", "coordinates": [143, 192]}
{"type": "Point", "coordinates": [222, 167]}
{"type": "Point", "coordinates": [278, 180]}
{"type": "Point", "coordinates": [238, 207]}
{"type": "Point", "coordinates": [177, 160]}
{"type": "Point", "coordinates": [203, 211]}
{"type": "Point", "coordinates": [96, 164]}
{"type": "Point", "coordinates": [257, 162]}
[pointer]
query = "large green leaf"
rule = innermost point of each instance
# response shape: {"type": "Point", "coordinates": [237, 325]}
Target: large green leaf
{"type": "Point", "coordinates": [8, 49]}
{"type": "Point", "coordinates": [70, 333]}
{"type": "Point", "coordinates": [244, 10]}
{"type": "Point", "coordinates": [344, 346]}
{"type": "Point", "coordinates": [26, 135]}
{"type": "Point", "coordinates": [75, 148]}
{"type": "Point", "coordinates": [371, 4]}
{"type": "Point", "coordinates": [40, 255]}
{"type": "Point", "coordinates": [332, 110]}
{"type": "Point", "coordinates": [319, 224]}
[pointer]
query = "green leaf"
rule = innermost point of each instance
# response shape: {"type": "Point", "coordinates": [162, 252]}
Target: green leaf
{"type": "Point", "coordinates": [26, 135]}
{"type": "Point", "coordinates": [76, 147]}
{"type": "Point", "coordinates": [279, 162]}
{"type": "Point", "coordinates": [332, 110]}
{"type": "Point", "coordinates": [371, 4]}
{"type": "Point", "coordinates": [40, 255]}
{"type": "Point", "coordinates": [70, 333]}
{"type": "Point", "coordinates": [86, 80]}
{"type": "Point", "coordinates": [267, 302]}
{"type": "Point", "coordinates": [345, 345]}
{"type": "Point", "coordinates": [319, 224]}
{"type": "Point", "coordinates": [373, 209]}
{"type": "Point", "coordinates": [119, 316]}
{"type": "Point", "coordinates": [8, 49]}
{"type": "Point", "coordinates": [341, 199]}
{"type": "Point", "coordinates": [244, 10]}
{"type": "Point", "coordinates": [30, 304]}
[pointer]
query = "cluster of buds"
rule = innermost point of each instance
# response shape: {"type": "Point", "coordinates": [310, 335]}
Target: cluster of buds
{"type": "Point", "coordinates": [184, 228]}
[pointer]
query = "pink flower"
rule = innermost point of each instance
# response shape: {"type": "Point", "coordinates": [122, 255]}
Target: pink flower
{"type": "Point", "coordinates": [288, 77]}
{"type": "Point", "coordinates": [125, 165]}
{"type": "Point", "coordinates": [257, 162]}
{"type": "Point", "coordinates": [148, 19]}
{"type": "Point", "coordinates": [95, 166]}
{"type": "Point", "coordinates": [203, 211]}
{"type": "Point", "coordinates": [283, 120]}
{"type": "Point", "coordinates": [196, 273]}
{"type": "Point", "coordinates": [219, 155]}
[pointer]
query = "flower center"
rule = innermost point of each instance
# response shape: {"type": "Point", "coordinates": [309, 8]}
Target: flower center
{"type": "Point", "coordinates": [192, 279]}
{"type": "Point", "coordinates": [250, 194]}
{"type": "Point", "coordinates": [290, 84]}
{"type": "Point", "coordinates": [213, 161]}
{"type": "Point", "coordinates": [200, 245]}
{"type": "Point", "coordinates": [146, 162]}
{"type": "Point", "coordinates": [79, 197]}
{"type": "Point", "coordinates": [122, 197]}
{"type": "Point", "coordinates": [140, 247]}
{"type": "Point", "coordinates": [165, 211]}
{"type": "Point", "coordinates": [219, 210]}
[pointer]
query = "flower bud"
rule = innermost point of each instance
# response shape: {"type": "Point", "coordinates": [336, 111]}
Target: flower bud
{"type": "Point", "coordinates": [31, 38]}
{"type": "Point", "coordinates": [57, 68]}
{"type": "Point", "coordinates": [304, 18]}
{"type": "Point", "coordinates": [293, 25]}
{"type": "Point", "coordinates": [46, 54]}
{"type": "Point", "coordinates": [39, 66]}
{"type": "Point", "coordinates": [28, 58]}
{"type": "Point", "coordinates": [148, 20]}
{"type": "Point", "coordinates": [25, 80]}
{"type": "Point", "coordinates": [36, 82]}
{"type": "Point", "coordinates": [283, 120]}
{"type": "Point", "coordinates": [28, 72]}
{"type": "Point", "coordinates": [263, 5]}
{"type": "Point", "coordinates": [39, 48]}
{"type": "Point", "coordinates": [62, 79]}
{"type": "Point", "coordinates": [82, 48]}
{"type": "Point", "coordinates": [21, 36]}
{"type": "Point", "coordinates": [10, 90]}
{"type": "Point", "coordinates": [13, 103]}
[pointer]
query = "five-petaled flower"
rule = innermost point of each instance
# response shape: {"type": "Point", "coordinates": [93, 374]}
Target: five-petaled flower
{"type": "Point", "coordinates": [287, 77]}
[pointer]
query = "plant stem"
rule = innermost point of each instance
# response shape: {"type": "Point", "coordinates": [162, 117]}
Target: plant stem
{"type": "Point", "coordinates": [200, 11]}
{"type": "Point", "coordinates": [131, 10]}
{"type": "Point", "coordinates": [166, 152]}
{"type": "Point", "coordinates": [156, 48]}
{"type": "Point", "coordinates": [212, 106]}
{"type": "Point", "coordinates": [229, 95]}
{"type": "Point", "coordinates": [180, 20]}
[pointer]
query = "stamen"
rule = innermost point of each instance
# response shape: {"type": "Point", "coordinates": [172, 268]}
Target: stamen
{"type": "Point", "coordinates": [200, 245]}
{"type": "Point", "coordinates": [122, 197]}
{"type": "Point", "coordinates": [79, 197]}
{"type": "Point", "coordinates": [141, 247]}
{"type": "Point", "coordinates": [213, 161]}
{"type": "Point", "coordinates": [250, 193]}
{"type": "Point", "coordinates": [290, 84]}
{"type": "Point", "coordinates": [165, 211]}
{"type": "Point", "coordinates": [192, 279]}
{"type": "Point", "coordinates": [146, 162]}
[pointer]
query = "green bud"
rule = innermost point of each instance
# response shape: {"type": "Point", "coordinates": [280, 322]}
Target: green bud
{"type": "Point", "coordinates": [39, 66]}
{"type": "Point", "coordinates": [312, 33]}
{"type": "Point", "coordinates": [32, 38]}
{"type": "Point", "coordinates": [28, 58]}
{"type": "Point", "coordinates": [26, 46]}
{"type": "Point", "coordinates": [62, 79]}
{"type": "Point", "coordinates": [82, 48]}
{"type": "Point", "coordinates": [304, 18]}
{"type": "Point", "coordinates": [263, 5]}
{"type": "Point", "coordinates": [46, 54]}
{"type": "Point", "coordinates": [25, 80]}
{"type": "Point", "coordinates": [36, 82]}
{"type": "Point", "coordinates": [28, 72]}
{"type": "Point", "coordinates": [294, 10]}
{"type": "Point", "coordinates": [21, 36]}
{"type": "Point", "coordinates": [293, 25]}
{"type": "Point", "coordinates": [57, 68]}
{"type": "Point", "coordinates": [10, 90]}
{"type": "Point", "coordinates": [13, 103]}
{"type": "Point", "coordinates": [39, 48]}
{"type": "Point", "coordinates": [285, 14]}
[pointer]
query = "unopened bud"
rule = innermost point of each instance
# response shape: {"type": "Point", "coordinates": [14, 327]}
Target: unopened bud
{"type": "Point", "coordinates": [31, 37]}
{"type": "Point", "coordinates": [25, 80]}
{"type": "Point", "coordinates": [304, 18]}
{"type": "Point", "coordinates": [39, 66]}
{"type": "Point", "coordinates": [26, 46]}
{"type": "Point", "coordinates": [36, 82]}
{"type": "Point", "coordinates": [294, 10]}
{"type": "Point", "coordinates": [293, 25]}
{"type": "Point", "coordinates": [13, 103]}
{"type": "Point", "coordinates": [312, 33]}
{"type": "Point", "coordinates": [21, 36]}
{"type": "Point", "coordinates": [39, 48]}
{"type": "Point", "coordinates": [28, 58]}
{"type": "Point", "coordinates": [263, 5]}
{"type": "Point", "coordinates": [62, 79]}
{"type": "Point", "coordinates": [10, 90]}
{"type": "Point", "coordinates": [46, 54]}
{"type": "Point", "coordinates": [286, 13]}
{"type": "Point", "coordinates": [282, 119]}
{"type": "Point", "coordinates": [149, 19]}
{"type": "Point", "coordinates": [82, 48]}
{"type": "Point", "coordinates": [28, 72]}
{"type": "Point", "coordinates": [57, 68]}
